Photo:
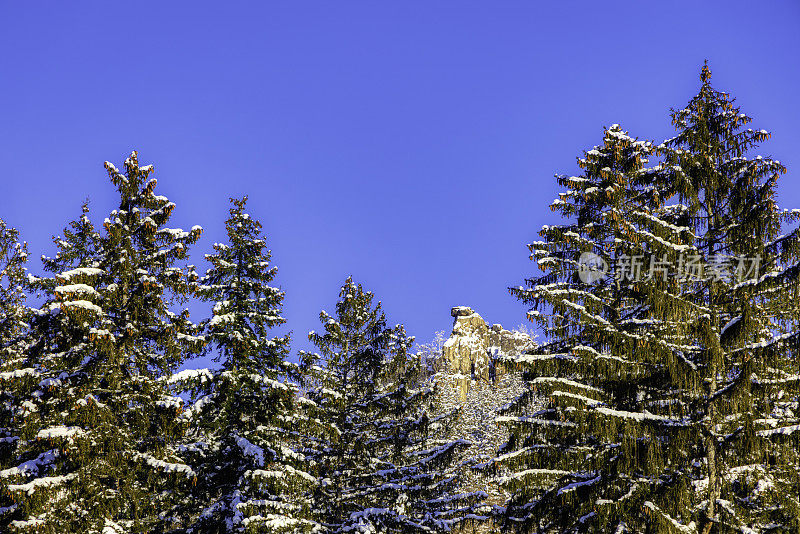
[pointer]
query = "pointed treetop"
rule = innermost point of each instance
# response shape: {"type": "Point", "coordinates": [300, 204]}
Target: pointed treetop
{"type": "Point", "coordinates": [239, 204]}
{"type": "Point", "coordinates": [705, 73]}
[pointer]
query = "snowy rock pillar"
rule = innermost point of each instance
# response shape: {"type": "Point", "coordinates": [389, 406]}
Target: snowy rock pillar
{"type": "Point", "coordinates": [472, 345]}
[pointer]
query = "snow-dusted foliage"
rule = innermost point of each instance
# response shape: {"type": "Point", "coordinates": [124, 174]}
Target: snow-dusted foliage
{"type": "Point", "coordinates": [431, 353]}
{"type": "Point", "coordinates": [13, 258]}
{"type": "Point", "coordinates": [666, 397]}
{"type": "Point", "coordinates": [555, 449]}
{"type": "Point", "coordinates": [672, 395]}
{"type": "Point", "coordinates": [377, 470]}
{"type": "Point", "coordinates": [738, 378]}
{"type": "Point", "coordinates": [469, 413]}
{"type": "Point", "coordinates": [13, 331]}
{"type": "Point", "coordinates": [472, 419]}
{"type": "Point", "coordinates": [94, 422]}
{"type": "Point", "coordinates": [243, 424]}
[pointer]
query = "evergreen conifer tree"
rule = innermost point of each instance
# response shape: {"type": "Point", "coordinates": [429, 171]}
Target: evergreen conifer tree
{"type": "Point", "coordinates": [13, 330]}
{"type": "Point", "coordinates": [683, 414]}
{"type": "Point", "coordinates": [377, 471]}
{"type": "Point", "coordinates": [737, 321]}
{"type": "Point", "coordinates": [557, 456]}
{"type": "Point", "coordinates": [98, 428]}
{"type": "Point", "coordinates": [243, 423]}
{"type": "Point", "coordinates": [13, 258]}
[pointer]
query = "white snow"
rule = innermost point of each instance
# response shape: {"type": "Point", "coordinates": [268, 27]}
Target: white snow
{"type": "Point", "coordinates": [81, 271]}
{"type": "Point", "coordinates": [201, 375]}
{"type": "Point", "coordinates": [691, 528]}
{"type": "Point", "coordinates": [18, 373]}
{"type": "Point", "coordinates": [786, 430]}
{"type": "Point", "coordinates": [640, 416]}
{"type": "Point", "coordinates": [31, 466]}
{"type": "Point", "coordinates": [42, 482]}
{"type": "Point", "coordinates": [284, 471]}
{"type": "Point", "coordinates": [83, 304]}
{"type": "Point", "coordinates": [253, 451]}
{"type": "Point", "coordinates": [575, 485]}
{"type": "Point", "coordinates": [75, 289]}
{"type": "Point", "coordinates": [58, 432]}
{"type": "Point", "coordinates": [546, 379]}
{"type": "Point", "coordinates": [167, 467]}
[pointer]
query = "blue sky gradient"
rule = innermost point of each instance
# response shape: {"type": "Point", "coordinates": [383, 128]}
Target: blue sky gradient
{"type": "Point", "coordinates": [410, 144]}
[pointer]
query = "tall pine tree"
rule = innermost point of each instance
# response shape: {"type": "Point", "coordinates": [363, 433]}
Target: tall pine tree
{"type": "Point", "coordinates": [560, 455]}
{"type": "Point", "coordinates": [13, 258]}
{"type": "Point", "coordinates": [98, 429]}
{"type": "Point", "coordinates": [243, 424]}
{"type": "Point", "coordinates": [377, 471]}
{"type": "Point", "coordinates": [737, 321]}
{"type": "Point", "coordinates": [13, 331]}
{"type": "Point", "coordinates": [698, 413]}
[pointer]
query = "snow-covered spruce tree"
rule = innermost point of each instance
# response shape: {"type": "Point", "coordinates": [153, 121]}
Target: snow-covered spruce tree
{"type": "Point", "coordinates": [702, 421]}
{"type": "Point", "coordinates": [377, 472]}
{"type": "Point", "coordinates": [736, 323]}
{"type": "Point", "coordinates": [13, 320]}
{"type": "Point", "coordinates": [244, 431]}
{"type": "Point", "coordinates": [565, 462]}
{"type": "Point", "coordinates": [98, 430]}
{"type": "Point", "coordinates": [56, 345]}
{"type": "Point", "coordinates": [13, 330]}
{"type": "Point", "coordinates": [13, 258]}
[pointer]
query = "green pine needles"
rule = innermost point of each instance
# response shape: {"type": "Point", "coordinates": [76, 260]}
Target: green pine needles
{"type": "Point", "coordinates": [378, 471]}
{"type": "Point", "coordinates": [92, 422]}
{"type": "Point", "coordinates": [666, 398]}
{"type": "Point", "coordinates": [671, 373]}
{"type": "Point", "coordinates": [244, 431]}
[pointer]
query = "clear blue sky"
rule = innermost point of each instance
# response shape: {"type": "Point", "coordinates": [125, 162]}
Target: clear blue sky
{"type": "Point", "coordinates": [410, 144]}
